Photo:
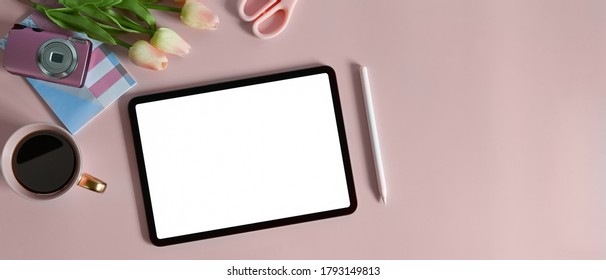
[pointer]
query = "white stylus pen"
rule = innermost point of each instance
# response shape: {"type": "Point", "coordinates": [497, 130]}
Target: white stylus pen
{"type": "Point", "coordinates": [374, 135]}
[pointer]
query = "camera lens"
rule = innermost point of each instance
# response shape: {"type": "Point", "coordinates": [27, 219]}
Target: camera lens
{"type": "Point", "coordinates": [57, 58]}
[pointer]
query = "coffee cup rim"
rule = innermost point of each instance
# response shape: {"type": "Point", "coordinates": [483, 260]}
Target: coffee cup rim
{"type": "Point", "coordinates": [9, 149]}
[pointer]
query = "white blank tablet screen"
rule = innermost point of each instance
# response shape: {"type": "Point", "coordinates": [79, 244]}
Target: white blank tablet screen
{"type": "Point", "coordinates": [242, 155]}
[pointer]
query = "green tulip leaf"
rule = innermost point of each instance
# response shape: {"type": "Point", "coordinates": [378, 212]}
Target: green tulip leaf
{"type": "Point", "coordinates": [148, 1]}
{"type": "Point", "coordinates": [101, 16]}
{"type": "Point", "coordinates": [140, 11]}
{"type": "Point", "coordinates": [128, 22]}
{"type": "Point", "coordinates": [112, 30]}
{"type": "Point", "coordinates": [77, 4]}
{"type": "Point", "coordinates": [70, 19]}
{"type": "Point", "coordinates": [108, 3]}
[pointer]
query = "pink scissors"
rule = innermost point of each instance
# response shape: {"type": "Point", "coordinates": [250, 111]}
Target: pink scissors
{"type": "Point", "coordinates": [270, 16]}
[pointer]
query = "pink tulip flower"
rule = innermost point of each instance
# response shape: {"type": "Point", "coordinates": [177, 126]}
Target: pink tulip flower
{"type": "Point", "coordinates": [145, 55]}
{"type": "Point", "coordinates": [169, 41]}
{"type": "Point", "coordinates": [197, 15]}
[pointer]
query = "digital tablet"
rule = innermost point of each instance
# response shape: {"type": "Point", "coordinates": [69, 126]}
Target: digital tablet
{"type": "Point", "coordinates": [243, 155]}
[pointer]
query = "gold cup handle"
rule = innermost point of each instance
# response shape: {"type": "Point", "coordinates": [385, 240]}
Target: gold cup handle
{"type": "Point", "coordinates": [88, 181]}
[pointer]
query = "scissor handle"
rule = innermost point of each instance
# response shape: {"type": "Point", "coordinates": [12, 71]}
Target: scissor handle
{"type": "Point", "coordinates": [264, 13]}
{"type": "Point", "coordinates": [257, 13]}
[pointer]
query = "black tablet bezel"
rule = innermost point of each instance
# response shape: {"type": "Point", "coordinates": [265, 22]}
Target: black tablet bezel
{"type": "Point", "coordinates": [228, 85]}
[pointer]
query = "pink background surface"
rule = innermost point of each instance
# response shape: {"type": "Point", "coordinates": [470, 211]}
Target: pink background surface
{"type": "Point", "coordinates": [492, 116]}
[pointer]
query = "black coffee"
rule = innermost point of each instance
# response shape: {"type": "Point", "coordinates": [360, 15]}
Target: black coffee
{"type": "Point", "coordinates": [44, 162]}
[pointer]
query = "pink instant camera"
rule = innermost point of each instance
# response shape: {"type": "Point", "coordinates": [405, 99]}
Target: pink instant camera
{"type": "Point", "coordinates": [38, 54]}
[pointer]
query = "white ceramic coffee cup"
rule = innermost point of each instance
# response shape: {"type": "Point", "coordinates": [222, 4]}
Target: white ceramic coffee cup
{"type": "Point", "coordinates": [78, 177]}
